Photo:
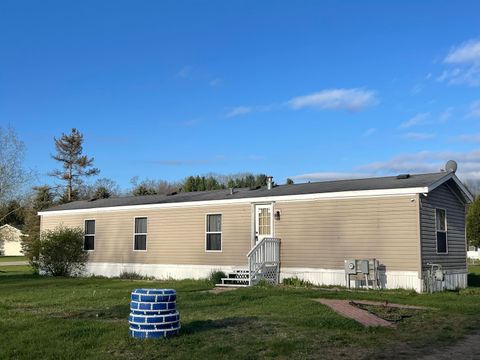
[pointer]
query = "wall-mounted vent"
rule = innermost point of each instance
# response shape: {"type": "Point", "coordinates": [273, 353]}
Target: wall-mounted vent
{"type": "Point", "coordinates": [403, 176]}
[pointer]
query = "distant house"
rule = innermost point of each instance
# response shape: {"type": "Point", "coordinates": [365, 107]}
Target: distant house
{"type": "Point", "coordinates": [406, 222]}
{"type": "Point", "coordinates": [10, 241]}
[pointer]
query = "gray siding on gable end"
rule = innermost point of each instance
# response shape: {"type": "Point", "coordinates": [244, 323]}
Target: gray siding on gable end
{"type": "Point", "coordinates": [443, 197]}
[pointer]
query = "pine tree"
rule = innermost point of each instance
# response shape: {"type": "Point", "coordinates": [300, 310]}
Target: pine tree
{"type": "Point", "coordinates": [290, 181]}
{"type": "Point", "coordinates": [75, 165]}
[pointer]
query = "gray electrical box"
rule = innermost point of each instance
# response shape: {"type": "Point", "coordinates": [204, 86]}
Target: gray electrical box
{"type": "Point", "coordinates": [439, 275]}
{"type": "Point", "coordinates": [351, 266]}
{"type": "Point", "coordinates": [362, 266]}
{"type": "Point", "coordinates": [354, 266]}
{"type": "Point", "coordinates": [362, 270]}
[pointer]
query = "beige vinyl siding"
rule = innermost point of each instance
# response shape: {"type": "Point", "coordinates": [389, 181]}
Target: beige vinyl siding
{"type": "Point", "coordinates": [175, 235]}
{"type": "Point", "coordinates": [322, 234]}
{"type": "Point", "coordinates": [317, 234]}
{"type": "Point", "coordinates": [443, 198]}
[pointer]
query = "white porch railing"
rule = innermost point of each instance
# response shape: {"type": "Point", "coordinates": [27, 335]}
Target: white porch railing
{"type": "Point", "coordinates": [264, 261]}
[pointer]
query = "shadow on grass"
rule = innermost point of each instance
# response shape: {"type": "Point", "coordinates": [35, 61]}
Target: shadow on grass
{"type": "Point", "coordinates": [473, 280]}
{"type": "Point", "coordinates": [206, 325]}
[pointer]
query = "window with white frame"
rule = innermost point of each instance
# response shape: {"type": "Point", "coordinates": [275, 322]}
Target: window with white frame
{"type": "Point", "coordinates": [140, 235]}
{"type": "Point", "coordinates": [441, 230]}
{"type": "Point", "coordinates": [89, 237]}
{"type": "Point", "coordinates": [213, 232]}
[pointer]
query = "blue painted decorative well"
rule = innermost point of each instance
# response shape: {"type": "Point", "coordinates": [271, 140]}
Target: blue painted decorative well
{"type": "Point", "coordinates": [153, 313]}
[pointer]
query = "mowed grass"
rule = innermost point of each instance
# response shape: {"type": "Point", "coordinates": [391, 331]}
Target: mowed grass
{"type": "Point", "coordinates": [79, 318]}
{"type": "Point", "coordinates": [12, 258]}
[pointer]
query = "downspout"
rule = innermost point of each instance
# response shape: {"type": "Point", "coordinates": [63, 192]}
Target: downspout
{"type": "Point", "coordinates": [419, 229]}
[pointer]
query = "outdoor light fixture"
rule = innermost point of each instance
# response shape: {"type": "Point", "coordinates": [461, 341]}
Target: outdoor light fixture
{"type": "Point", "coordinates": [277, 215]}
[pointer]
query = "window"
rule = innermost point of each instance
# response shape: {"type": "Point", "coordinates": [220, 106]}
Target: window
{"type": "Point", "coordinates": [140, 236]}
{"type": "Point", "coordinates": [89, 238]}
{"type": "Point", "coordinates": [441, 227]}
{"type": "Point", "coordinates": [214, 232]}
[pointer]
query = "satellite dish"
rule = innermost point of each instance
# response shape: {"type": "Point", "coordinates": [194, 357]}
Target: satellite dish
{"type": "Point", "coordinates": [451, 166]}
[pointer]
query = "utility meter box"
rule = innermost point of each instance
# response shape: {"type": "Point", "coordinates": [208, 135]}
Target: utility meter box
{"type": "Point", "coordinates": [351, 266]}
{"type": "Point", "coordinates": [439, 275]}
{"type": "Point", "coordinates": [363, 266]}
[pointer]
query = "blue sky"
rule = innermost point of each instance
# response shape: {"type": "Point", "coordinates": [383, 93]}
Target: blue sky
{"type": "Point", "coordinates": [307, 89]}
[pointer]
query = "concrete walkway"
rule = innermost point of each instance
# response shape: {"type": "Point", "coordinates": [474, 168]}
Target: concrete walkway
{"type": "Point", "coordinates": [344, 308]}
{"type": "Point", "coordinates": [13, 263]}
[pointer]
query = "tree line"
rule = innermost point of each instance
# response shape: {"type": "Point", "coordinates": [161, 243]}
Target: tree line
{"type": "Point", "coordinates": [19, 206]}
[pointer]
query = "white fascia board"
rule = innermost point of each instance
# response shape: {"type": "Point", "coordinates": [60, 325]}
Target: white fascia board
{"type": "Point", "coordinates": [447, 177]}
{"type": "Point", "coordinates": [265, 199]}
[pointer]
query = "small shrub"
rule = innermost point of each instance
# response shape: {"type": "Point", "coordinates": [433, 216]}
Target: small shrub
{"type": "Point", "coordinates": [132, 275]}
{"type": "Point", "coordinates": [296, 282]}
{"type": "Point", "coordinates": [216, 277]}
{"type": "Point", "coordinates": [61, 252]}
{"type": "Point", "coordinates": [264, 283]}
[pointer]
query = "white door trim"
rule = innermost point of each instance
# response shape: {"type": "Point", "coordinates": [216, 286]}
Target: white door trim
{"type": "Point", "coordinates": [256, 207]}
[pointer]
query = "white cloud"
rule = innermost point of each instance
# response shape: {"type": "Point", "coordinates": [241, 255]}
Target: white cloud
{"type": "Point", "coordinates": [467, 138]}
{"type": "Point", "coordinates": [474, 109]}
{"type": "Point", "coordinates": [369, 132]}
{"type": "Point", "coordinates": [239, 110]}
{"type": "Point", "coordinates": [464, 60]}
{"type": "Point", "coordinates": [336, 99]}
{"type": "Point", "coordinates": [185, 71]}
{"type": "Point", "coordinates": [413, 163]}
{"type": "Point", "coordinates": [428, 161]}
{"type": "Point", "coordinates": [419, 119]}
{"type": "Point", "coordinates": [467, 53]}
{"type": "Point", "coordinates": [418, 136]}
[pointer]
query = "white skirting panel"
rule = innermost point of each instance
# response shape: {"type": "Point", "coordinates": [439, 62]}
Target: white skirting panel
{"type": "Point", "coordinates": [388, 279]}
{"type": "Point", "coordinates": [159, 271]}
{"type": "Point", "coordinates": [454, 280]}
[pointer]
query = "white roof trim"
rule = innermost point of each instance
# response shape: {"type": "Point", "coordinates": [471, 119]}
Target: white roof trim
{"type": "Point", "coordinates": [9, 226]}
{"type": "Point", "coordinates": [302, 197]}
{"type": "Point", "coordinates": [449, 176]}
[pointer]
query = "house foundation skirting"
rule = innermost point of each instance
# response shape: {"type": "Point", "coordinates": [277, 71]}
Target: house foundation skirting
{"type": "Point", "coordinates": [388, 279]}
{"type": "Point", "coordinates": [159, 271]}
{"type": "Point", "coordinates": [454, 279]}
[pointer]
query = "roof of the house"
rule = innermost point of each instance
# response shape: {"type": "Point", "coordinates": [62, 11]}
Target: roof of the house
{"type": "Point", "coordinates": [11, 227]}
{"type": "Point", "coordinates": [417, 183]}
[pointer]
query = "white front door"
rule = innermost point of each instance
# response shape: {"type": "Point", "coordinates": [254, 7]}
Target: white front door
{"type": "Point", "coordinates": [263, 222]}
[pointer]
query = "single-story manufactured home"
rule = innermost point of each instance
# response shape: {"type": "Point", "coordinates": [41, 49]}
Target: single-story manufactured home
{"type": "Point", "coordinates": [10, 241]}
{"type": "Point", "coordinates": [307, 231]}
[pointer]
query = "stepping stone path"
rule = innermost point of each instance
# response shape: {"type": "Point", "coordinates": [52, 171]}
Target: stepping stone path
{"type": "Point", "coordinates": [344, 308]}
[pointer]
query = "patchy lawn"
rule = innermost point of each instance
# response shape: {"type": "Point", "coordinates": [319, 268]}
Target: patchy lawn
{"type": "Point", "coordinates": [44, 317]}
{"type": "Point", "coordinates": [12, 258]}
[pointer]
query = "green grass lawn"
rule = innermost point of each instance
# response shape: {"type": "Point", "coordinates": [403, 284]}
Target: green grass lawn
{"type": "Point", "coordinates": [60, 318]}
{"type": "Point", "coordinates": [12, 258]}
